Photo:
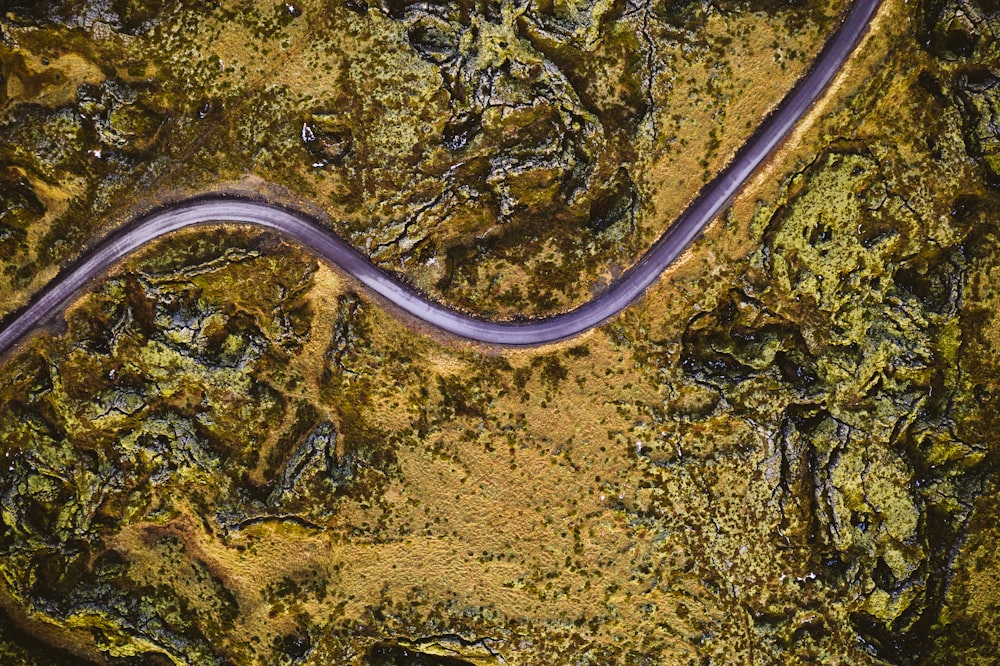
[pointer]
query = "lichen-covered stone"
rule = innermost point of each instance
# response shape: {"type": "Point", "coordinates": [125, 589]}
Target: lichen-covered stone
{"type": "Point", "coordinates": [227, 456]}
{"type": "Point", "coordinates": [979, 92]}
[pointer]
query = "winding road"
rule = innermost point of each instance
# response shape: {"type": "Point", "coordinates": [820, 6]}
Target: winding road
{"type": "Point", "coordinates": [306, 230]}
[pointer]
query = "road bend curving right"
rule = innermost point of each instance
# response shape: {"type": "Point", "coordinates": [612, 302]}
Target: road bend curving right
{"type": "Point", "coordinates": [301, 227]}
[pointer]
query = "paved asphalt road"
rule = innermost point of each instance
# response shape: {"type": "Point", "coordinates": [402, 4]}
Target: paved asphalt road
{"type": "Point", "coordinates": [304, 229]}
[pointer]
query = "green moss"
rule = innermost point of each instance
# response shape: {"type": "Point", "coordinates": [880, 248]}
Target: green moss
{"type": "Point", "coordinates": [782, 461]}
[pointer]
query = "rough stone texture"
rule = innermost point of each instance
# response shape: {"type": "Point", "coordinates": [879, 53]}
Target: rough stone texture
{"type": "Point", "coordinates": [501, 155]}
{"type": "Point", "coordinates": [852, 313]}
{"type": "Point", "coordinates": [227, 456]}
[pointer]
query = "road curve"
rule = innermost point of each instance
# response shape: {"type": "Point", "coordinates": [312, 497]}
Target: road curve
{"type": "Point", "coordinates": [307, 231]}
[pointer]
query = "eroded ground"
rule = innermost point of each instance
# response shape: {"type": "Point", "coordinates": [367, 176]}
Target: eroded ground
{"type": "Point", "coordinates": [506, 157]}
{"type": "Point", "coordinates": [783, 454]}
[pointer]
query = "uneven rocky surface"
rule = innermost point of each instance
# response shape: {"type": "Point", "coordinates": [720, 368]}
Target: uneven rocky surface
{"type": "Point", "coordinates": [503, 156]}
{"type": "Point", "coordinates": [227, 455]}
